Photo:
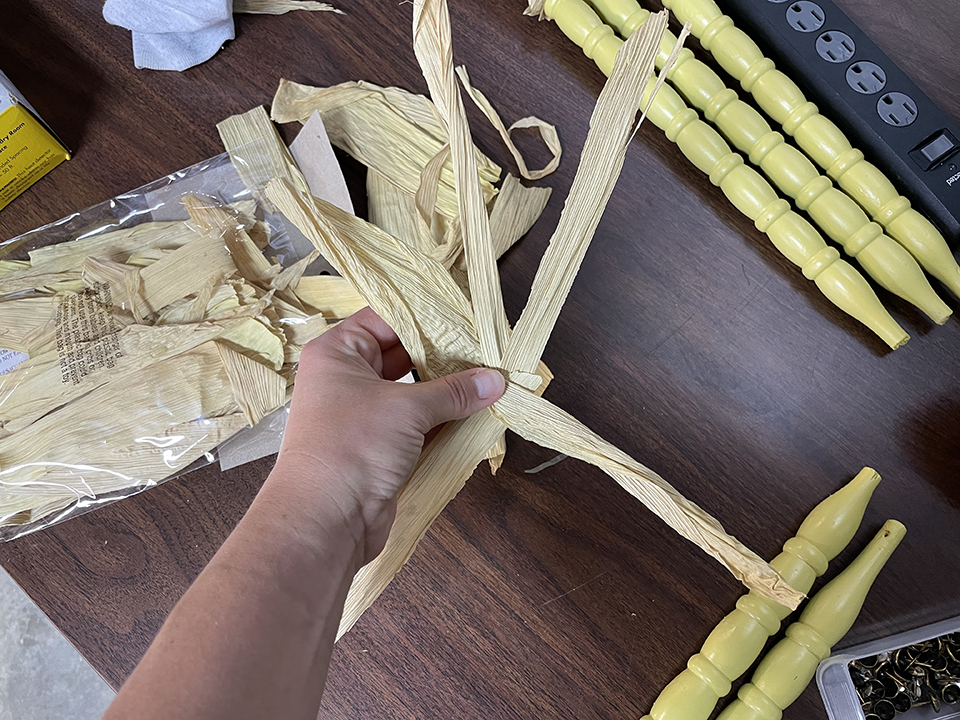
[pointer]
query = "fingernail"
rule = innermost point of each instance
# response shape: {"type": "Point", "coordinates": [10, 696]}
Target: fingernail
{"type": "Point", "coordinates": [489, 383]}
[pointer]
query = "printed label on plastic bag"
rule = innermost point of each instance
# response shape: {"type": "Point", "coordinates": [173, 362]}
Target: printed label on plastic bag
{"type": "Point", "coordinates": [9, 359]}
{"type": "Point", "coordinates": [87, 335]}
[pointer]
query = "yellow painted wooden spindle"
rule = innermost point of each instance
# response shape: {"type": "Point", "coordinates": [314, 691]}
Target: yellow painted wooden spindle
{"type": "Point", "coordinates": [885, 260]}
{"type": "Point", "coordinates": [789, 667]}
{"type": "Point", "coordinates": [738, 639]}
{"type": "Point", "coordinates": [820, 138]}
{"type": "Point", "coordinates": [793, 236]}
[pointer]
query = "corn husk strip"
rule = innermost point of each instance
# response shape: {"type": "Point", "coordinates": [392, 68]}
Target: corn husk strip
{"type": "Point", "coordinates": [124, 281]}
{"type": "Point", "coordinates": [449, 249]}
{"type": "Point", "coordinates": [30, 279]}
{"type": "Point", "coordinates": [280, 7]}
{"type": "Point", "coordinates": [259, 233]}
{"type": "Point", "coordinates": [257, 389]}
{"type": "Point", "coordinates": [120, 435]}
{"type": "Point", "coordinates": [331, 295]}
{"type": "Point", "coordinates": [432, 46]}
{"type": "Point", "coordinates": [26, 322]}
{"type": "Point", "coordinates": [8, 266]}
{"type": "Point", "coordinates": [257, 152]}
{"type": "Point", "coordinates": [538, 386]}
{"type": "Point", "coordinates": [196, 309]}
{"type": "Point", "coordinates": [291, 276]}
{"type": "Point", "coordinates": [299, 327]}
{"type": "Point", "coordinates": [545, 424]}
{"type": "Point", "coordinates": [146, 257]}
{"type": "Point", "coordinates": [113, 245]}
{"type": "Point", "coordinates": [548, 132]}
{"type": "Point", "coordinates": [426, 196]}
{"type": "Point", "coordinates": [395, 211]}
{"type": "Point", "coordinates": [601, 161]}
{"type": "Point", "coordinates": [497, 454]}
{"type": "Point", "coordinates": [389, 130]}
{"type": "Point", "coordinates": [213, 221]}
{"type": "Point", "coordinates": [413, 292]}
{"type": "Point", "coordinates": [515, 210]}
{"type": "Point", "coordinates": [535, 8]}
{"type": "Point", "coordinates": [35, 388]}
{"type": "Point", "coordinates": [184, 270]}
{"type": "Point", "coordinates": [257, 340]}
{"type": "Point", "coordinates": [443, 469]}
{"type": "Point", "coordinates": [219, 305]}
{"type": "Point", "coordinates": [53, 265]}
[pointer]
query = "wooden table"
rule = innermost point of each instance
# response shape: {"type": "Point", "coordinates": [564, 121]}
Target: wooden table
{"type": "Point", "coordinates": [687, 341]}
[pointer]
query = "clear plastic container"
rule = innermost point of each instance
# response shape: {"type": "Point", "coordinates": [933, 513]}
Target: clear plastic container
{"type": "Point", "coordinates": [837, 689]}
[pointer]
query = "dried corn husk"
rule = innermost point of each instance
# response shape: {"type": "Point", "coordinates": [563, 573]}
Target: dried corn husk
{"type": "Point", "coordinates": [443, 335]}
{"type": "Point", "coordinates": [88, 448]}
{"type": "Point", "coordinates": [36, 386]}
{"type": "Point", "coordinates": [256, 151]}
{"type": "Point", "coordinates": [181, 293]}
{"type": "Point", "coordinates": [279, 7]}
{"type": "Point", "coordinates": [330, 295]}
{"type": "Point", "coordinates": [389, 130]}
{"type": "Point", "coordinates": [395, 211]}
{"type": "Point", "coordinates": [257, 389]}
{"type": "Point", "coordinates": [548, 132]}
{"type": "Point", "coordinates": [515, 209]}
{"type": "Point", "coordinates": [172, 312]}
{"type": "Point", "coordinates": [7, 266]}
{"type": "Point", "coordinates": [26, 323]}
{"type": "Point", "coordinates": [214, 222]}
{"type": "Point", "coordinates": [53, 265]}
{"type": "Point", "coordinates": [111, 245]}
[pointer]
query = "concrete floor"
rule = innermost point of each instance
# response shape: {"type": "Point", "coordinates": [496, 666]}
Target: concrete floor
{"type": "Point", "coordinates": [41, 675]}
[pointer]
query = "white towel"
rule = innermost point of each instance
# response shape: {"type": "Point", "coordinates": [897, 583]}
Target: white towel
{"type": "Point", "coordinates": [173, 34]}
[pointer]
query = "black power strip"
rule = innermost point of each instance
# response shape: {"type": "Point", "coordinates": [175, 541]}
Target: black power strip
{"type": "Point", "coordinates": [858, 87]}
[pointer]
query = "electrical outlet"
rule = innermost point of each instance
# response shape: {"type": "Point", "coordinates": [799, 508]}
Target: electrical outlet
{"type": "Point", "coordinates": [866, 77]}
{"type": "Point", "coordinates": [897, 109]}
{"type": "Point", "coordinates": [873, 102]}
{"type": "Point", "coordinates": [805, 16]}
{"type": "Point", "coordinates": [835, 46]}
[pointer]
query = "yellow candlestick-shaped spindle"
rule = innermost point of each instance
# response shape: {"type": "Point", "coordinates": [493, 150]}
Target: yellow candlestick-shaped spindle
{"type": "Point", "coordinates": [820, 138]}
{"type": "Point", "coordinates": [793, 236]}
{"type": "Point", "coordinates": [738, 639]}
{"type": "Point", "coordinates": [789, 667]}
{"type": "Point", "coordinates": [790, 170]}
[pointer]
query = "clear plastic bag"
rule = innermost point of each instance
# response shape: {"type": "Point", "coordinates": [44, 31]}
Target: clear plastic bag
{"type": "Point", "coordinates": [133, 342]}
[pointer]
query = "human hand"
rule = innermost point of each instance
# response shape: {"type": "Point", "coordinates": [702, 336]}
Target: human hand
{"type": "Point", "coordinates": [354, 435]}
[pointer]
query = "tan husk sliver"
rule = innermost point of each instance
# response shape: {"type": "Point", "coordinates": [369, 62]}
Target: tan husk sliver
{"type": "Point", "coordinates": [547, 131]}
{"type": "Point", "coordinates": [280, 7]}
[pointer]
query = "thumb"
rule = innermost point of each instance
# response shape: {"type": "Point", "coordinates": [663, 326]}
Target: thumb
{"type": "Point", "coordinates": [456, 396]}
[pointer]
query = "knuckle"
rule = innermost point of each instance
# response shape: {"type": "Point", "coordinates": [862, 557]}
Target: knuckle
{"type": "Point", "coordinates": [361, 342]}
{"type": "Point", "coordinates": [459, 394]}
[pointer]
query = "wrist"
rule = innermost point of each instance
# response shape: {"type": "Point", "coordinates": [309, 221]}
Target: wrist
{"type": "Point", "coordinates": [317, 510]}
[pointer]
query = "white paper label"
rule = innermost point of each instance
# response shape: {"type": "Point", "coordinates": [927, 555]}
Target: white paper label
{"type": "Point", "coordinates": [9, 359]}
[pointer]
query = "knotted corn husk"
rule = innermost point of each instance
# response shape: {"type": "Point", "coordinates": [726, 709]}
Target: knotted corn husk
{"type": "Point", "coordinates": [445, 334]}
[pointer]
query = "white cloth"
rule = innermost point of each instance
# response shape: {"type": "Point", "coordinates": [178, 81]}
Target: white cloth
{"type": "Point", "coordinates": [173, 34]}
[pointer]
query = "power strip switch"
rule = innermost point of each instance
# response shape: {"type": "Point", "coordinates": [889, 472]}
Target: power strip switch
{"type": "Point", "coordinates": [882, 111]}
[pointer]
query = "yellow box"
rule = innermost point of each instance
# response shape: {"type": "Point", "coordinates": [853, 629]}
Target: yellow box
{"type": "Point", "coordinates": [28, 148]}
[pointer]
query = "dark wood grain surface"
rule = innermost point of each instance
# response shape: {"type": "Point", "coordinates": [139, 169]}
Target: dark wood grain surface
{"type": "Point", "coordinates": [687, 340]}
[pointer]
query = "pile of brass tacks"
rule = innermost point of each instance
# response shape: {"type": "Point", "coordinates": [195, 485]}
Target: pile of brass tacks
{"type": "Point", "coordinates": [891, 683]}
